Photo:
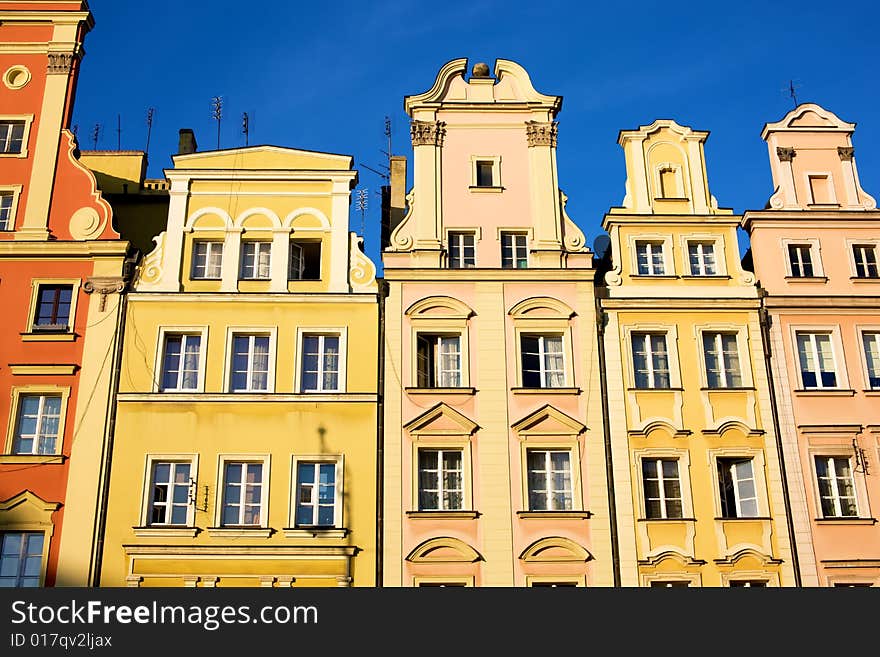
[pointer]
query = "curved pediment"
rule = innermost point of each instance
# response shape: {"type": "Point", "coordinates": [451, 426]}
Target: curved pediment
{"type": "Point", "coordinates": [671, 554]}
{"type": "Point", "coordinates": [444, 549]}
{"type": "Point", "coordinates": [809, 117]}
{"type": "Point", "coordinates": [447, 73]}
{"type": "Point", "coordinates": [749, 557]}
{"type": "Point", "coordinates": [440, 306]}
{"type": "Point", "coordinates": [441, 420]}
{"type": "Point", "coordinates": [682, 132]}
{"type": "Point", "coordinates": [548, 421]}
{"type": "Point", "coordinates": [541, 307]}
{"type": "Point", "coordinates": [555, 548]}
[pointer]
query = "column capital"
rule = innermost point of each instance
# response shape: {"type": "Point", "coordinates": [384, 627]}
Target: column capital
{"type": "Point", "coordinates": [541, 134]}
{"type": "Point", "coordinates": [427, 133]}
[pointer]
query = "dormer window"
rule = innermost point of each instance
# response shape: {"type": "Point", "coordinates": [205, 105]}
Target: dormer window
{"type": "Point", "coordinates": [485, 173]}
{"type": "Point", "coordinates": [801, 260]}
{"type": "Point", "coordinates": [649, 257]}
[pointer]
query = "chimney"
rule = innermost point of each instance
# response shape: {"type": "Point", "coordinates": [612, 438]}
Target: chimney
{"type": "Point", "coordinates": [186, 143]}
{"type": "Point", "coordinates": [394, 198]}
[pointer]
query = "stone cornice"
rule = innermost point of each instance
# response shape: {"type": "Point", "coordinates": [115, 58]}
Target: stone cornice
{"type": "Point", "coordinates": [404, 274]}
{"type": "Point", "coordinates": [39, 249]}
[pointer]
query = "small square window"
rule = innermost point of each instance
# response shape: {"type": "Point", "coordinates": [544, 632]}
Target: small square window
{"type": "Point", "coordinates": [320, 363]}
{"type": "Point", "coordinates": [207, 260]}
{"type": "Point", "coordinates": [650, 360]}
{"type": "Point", "coordinates": [242, 494]}
{"type": "Point", "coordinates": [649, 258]}
{"type": "Point", "coordinates": [701, 257]}
{"type": "Point", "coordinates": [21, 559]}
{"type": "Point", "coordinates": [438, 361]}
{"type": "Point", "coordinates": [52, 314]}
{"type": "Point", "coordinates": [800, 258]}
{"type": "Point", "coordinates": [865, 256]}
{"type": "Point", "coordinates": [305, 261]}
{"type": "Point", "coordinates": [255, 260]}
{"type": "Point", "coordinates": [543, 364]}
{"type": "Point", "coordinates": [662, 488]}
{"type": "Point", "coordinates": [514, 250]}
{"type": "Point", "coordinates": [816, 360]}
{"type": "Point", "coordinates": [11, 136]}
{"type": "Point", "coordinates": [836, 487]}
{"type": "Point", "coordinates": [250, 363]}
{"type": "Point", "coordinates": [7, 221]}
{"type": "Point", "coordinates": [462, 251]}
{"type": "Point", "coordinates": [736, 480]}
{"type": "Point", "coordinates": [180, 361]}
{"type": "Point", "coordinates": [441, 480]}
{"type": "Point", "coordinates": [38, 426]}
{"type": "Point", "coordinates": [170, 489]}
{"type": "Point", "coordinates": [549, 480]}
{"type": "Point", "coordinates": [721, 358]}
{"type": "Point", "coordinates": [316, 500]}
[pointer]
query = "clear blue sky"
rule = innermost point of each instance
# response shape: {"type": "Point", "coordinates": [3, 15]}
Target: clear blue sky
{"type": "Point", "coordinates": [323, 76]}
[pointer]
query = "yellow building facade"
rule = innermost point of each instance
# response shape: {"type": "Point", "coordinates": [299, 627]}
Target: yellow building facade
{"type": "Point", "coordinates": [698, 484]}
{"type": "Point", "coordinates": [244, 451]}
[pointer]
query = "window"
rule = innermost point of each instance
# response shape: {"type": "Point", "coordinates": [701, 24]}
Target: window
{"type": "Point", "coordinates": [543, 365]}
{"type": "Point", "coordinates": [649, 257]}
{"type": "Point", "coordinates": [650, 360]}
{"type": "Point", "coordinates": [462, 252]}
{"type": "Point", "coordinates": [305, 261]}
{"type": "Point", "coordinates": [242, 493]}
{"type": "Point", "coordinates": [485, 169]}
{"type": "Point", "coordinates": [549, 480]}
{"type": "Point", "coordinates": [38, 426]}
{"type": "Point", "coordinates": [320, 363]}
{"type": "Point", "coordinates": [545, 584]}
{"type": "Point", "coordinates": [207, 260]}
{"type": "Point", "coordinates": [316, 494]}
{"type": "Point", "coordinates": [816, 360]}
{"type": "Point", "coordinates": [438, 361]}
{"type": "Point", "coordinates": [836, 489]}
{"type": "Point", "coordinates": [514, 250]}
{"type": "Point", "coordinates": [662, 488]}
{"type": "Point", "coordinates": [170, 493]}
{"type": "Point", "coordinates": [722, 360]}
{"type": "Point", "coordinates": [250, 363]}
{"type": "Point", "coordinates": [871, 341]}
{"type": "Point", "coordinates": [52, 313]}
{"type": "Point", "coordinates": [441, 477]}
{"type": "Point", "coordinates": [180, 362]}
{"type": "Point", "coordinates": [6, 218]}
{"type": "Point", "coordinates": [701, 256]}
{"type": "Point", "coordinates": [11, 136]}
{"type": "Point", "coordinates": [735, 583]}
{"type": "Point", "coordinates": [865, 256]}
{"type": "Point", "coordinates": [801, 260]}
{"type": "Point", "coordinates": [441, 584]}
{"type": "Point", "coordinates": [669, 583]}
{"type": "Point", "coordinates": [668, 183]}
{"type": "Point", "coordinates": [820, 190]}
{"type": "Point", "coordinates": [21, 559]}
{"type": "Point", "coordinates": [255, 258]}
{"type": "Point", "coordinates": [736, 479]}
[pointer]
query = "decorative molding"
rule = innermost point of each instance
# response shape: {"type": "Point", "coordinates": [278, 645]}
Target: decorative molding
{"type": "Point", "coordinates": [104, 285]}
{"type": "Point", "coordinates": [785, 154]}
{"type": "Point", "coordinates": [362, 271]}
{"type": "Point", "coordinates": [86, 224]}
{"type": "Point", "coordinates": [60, 63]}
{"type": "Point", "coordinates": [150, 272]}
{"type": "Point", "coordinates": [846, 152]}
{"type": "Point", "coordinates": [574, 239]}
{"type": "Point", "coordinates": [541, 134]}
{"type": "Point", "coordinates": [43, 369]}
{"type": "Point", "coordinates": [427, 133]}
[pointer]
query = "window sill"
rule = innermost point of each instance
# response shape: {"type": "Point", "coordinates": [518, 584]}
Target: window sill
{"type": "Point", "coordinates": [873, 392]}
{"type": "Point", "coordinates": [846, 521]}
{"type": "Point", "coordinates": [441, 391]}
{"type": "Point", "coordinates": [729, 389]}
{"type": "Point", "coordinates": [670, 520]}
{"type": "Point", "coordinates": [315, 532]}
{"type": "Point", "coordinates": [806, 279]}
{"type": "Point", "coordinates": [32, 458]}
{"type": "Point", "coordinates": [655, 389]}
{"type": "Point", "coordinates": [546, 391]}
{"type": "Point", "coordinates": [820, 206]}
{"type": "Point", "coordinates": [716, 277]}
{"type": "Point", "coordinates": [194, 279]}
{"type": "Point", "coordinates": [241, 532]}
{"type": "Point", "coordinates": [819, 392]}
{"type": "Point", "coordinates": [166, 532]}
{"type": "Point", "coordinates": [865, 279]}
{"type": "Point", "coordinates": [574, 515]}
{"type": "Point", "coordinates": [677, 199]}
{"type": "Point", "coordinates": [496, 189]}
{"type": "Point", "coordinates": [48, 337]}
{"type": "Point", "coordinates": [745, 519]}
{"type": "Point", "coordinates": [665, 277]}
{"type": "Point", "coordinates": [452, 515]}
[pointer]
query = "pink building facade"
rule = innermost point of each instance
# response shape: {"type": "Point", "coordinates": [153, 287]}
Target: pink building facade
{"type": "Point", "coordinates": [815, 250]}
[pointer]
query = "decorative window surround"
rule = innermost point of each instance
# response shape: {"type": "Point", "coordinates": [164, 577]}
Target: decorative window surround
{"type": "Point", "coordinates": [815, 258]}
{"type": "Point", "coordinates": [15, 410]}
{"type": "Point", "coordinates": [202, 332]}
{"type": "Point", "coordinates": [337, 461]}
{"type": "Point", "coordinates": [486, 173]}
{"type": "Point", "coordinates": [341, 333]}
{"type": "Point", "coordinates": [231, 333]}
{"type": "Point", "coordinates": [60, 335]}
{"type": "Point", "coordinates": [5, 136]}
{"type": "Point", "coordinates": [146, 498]}
{"type": "Point", "coordinates": [9, 195]}
{"type": "Point", "coordinates": [671, 332]}
{"type": "Point", "coordinates": [841, 380]}
{"type": "Point", "coordinates": [220, 495]}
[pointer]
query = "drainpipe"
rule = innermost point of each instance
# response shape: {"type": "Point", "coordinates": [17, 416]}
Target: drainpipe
{"type": "Point", "coordinates": [764, 319]}
{"type": "Point", "coordinates": [606, 430]}
{"type": "Point", "coordinates": [110, 430]}
{"type": "Point", "coordinates": [380, 431]}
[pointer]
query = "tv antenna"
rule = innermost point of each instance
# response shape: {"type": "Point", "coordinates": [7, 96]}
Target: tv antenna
{"type": "Point", "coordinates": [791, 90]}
{"type": "Point", "coordinates": [245, 126]}
{"type": "Point", "coordinates": [217, 114]}
{"type": "Point", "coordinates": [96, 134]}
{"type": "Point", "coordinates": [150, 112]}
{"type": "Point", "coordinates": [361, 204]}
{"type": "Point", "coordinates": [119, 132]}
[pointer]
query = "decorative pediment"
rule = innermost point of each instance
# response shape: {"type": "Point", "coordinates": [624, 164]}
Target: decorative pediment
{"type": "Point", "coordinates": [26, 508]}
{"type": "Point", "coordinates": [444, 549]}
{"type": "Point", "coordinates": [541, 308]}
{"type": "Point", "coordinates": [272, 158]}
{"type": "Point", "coordinates": [661, 426]}
{"type": "Point", "coordinates": [441, 420]}
{"type": "Point", "coordinates": [671, 554]}
{"type": "Point", "coordinates": [555, 548]}
{"type": "Point", "coordinates": [548, 421]}
{"type": "Point", "coordinates": [809, 117]}
{"type": "Point", "coordinates": [749, 557]}
{"type": "Point", "coordinates": [736, 426]}
{"type": "Point", "coordinates": [440, 306]}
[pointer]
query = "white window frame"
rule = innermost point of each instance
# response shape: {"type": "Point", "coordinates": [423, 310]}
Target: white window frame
{"type": "Point", "coordinates": [861, 330]}
{"type": "Point", "coordinates": [836, 497]}
{"type": "Point", "coordinates": [841, 379]}
{"type": "Point", "coordinates": [38, 283]}
{"type": "Point", "coordinates": [44, 549]}
{"type": "Point", "coordinates": [543, 371]}
{"type": "Point", "coordinates": [15, 409]}
{"type": "Point", "coordinates": [815, 256]}
{"type": "Point", "coordinates": [718, 246]}
{"type": "Point", "coordinates": [573, 491]}
{"type": "Point", "coordinates": [671, 331]}
{"type": "Point", "coordinates": [440, 451]}
{"type": "Point", "coordinates": [338, 460]}
{"type": "Point", "coordinates": [758, 475]}
{"type": "Point", "coordinates": [682, 456]}
{"type": "Point", "coordinates": [454, 234]}
{"type": "Point", "coordinates": [873, 245]}
{"type": "Point", "coordinates": [147, 498]}
{"type": "Point", "coordinates": [13, 192]}
{"type": "Point", "coordinates": [834, 447]}
{"type": "Point", "coordinates": [661, 479]}
{"type": "Point", "coordinates": [28, 120]}
{"type": "Point", "coordinates": [37, 438]}
{"type": "Point", "coordinates": [495, 160]}
{"type": "Point", "coordinates": [231, 332]}
{"type": "Point", "coordinates": [740, 337]}
{"type": "Point", "coordinates": [436, 357]}
{"type": "Point", "coordinates": [164, 331]}
{"type": "Point", "coordinates": [340, 332]}
{"type": "Point", "coordinates": [515, 236]}
{"type": "Point", "coordinates": [211, 247]}
{"type": "Point", "coordinates": [652, 248]}
{"type": "Point", "coordinates": [261, 249]}
{"type": "Point", "coordinates": [220, 497]}
{"type": "Point", "coordinates": [649, 358]}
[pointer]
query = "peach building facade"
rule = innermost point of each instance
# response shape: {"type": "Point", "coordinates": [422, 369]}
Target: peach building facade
{"type": "Point", "coordinates": [494, 459]}
{"type": "Point", "coordinates": [815, 249]}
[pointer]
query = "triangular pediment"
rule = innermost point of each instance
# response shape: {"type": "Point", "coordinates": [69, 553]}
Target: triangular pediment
{"type": "Point", "coordinates": [26, 508]}
{"type": "Point", "coordinates": [441, 420]}
{"type": "Point", "coordinates": [548, 421]}
{"type": "Point", "coordinates": [273, 158]}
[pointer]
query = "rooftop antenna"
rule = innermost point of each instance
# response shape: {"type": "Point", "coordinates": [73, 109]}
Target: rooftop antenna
{"type": "Point", "coordinates": [362, 199]}
{"type": "Point", "coordinates": [245, 126]}
{"type": "Point", "coordinates": [150, 113]}
{"type": "Point", "coordinates": [96, 134]}
{"type": "Point", "coordinates": [217, 114]}
{"type": "Point", "coordinates": [791, 89]}
{"type": "Point", "coordinates": [119, 132]}
{"type": "Point", "coordinates": [388, 136]}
